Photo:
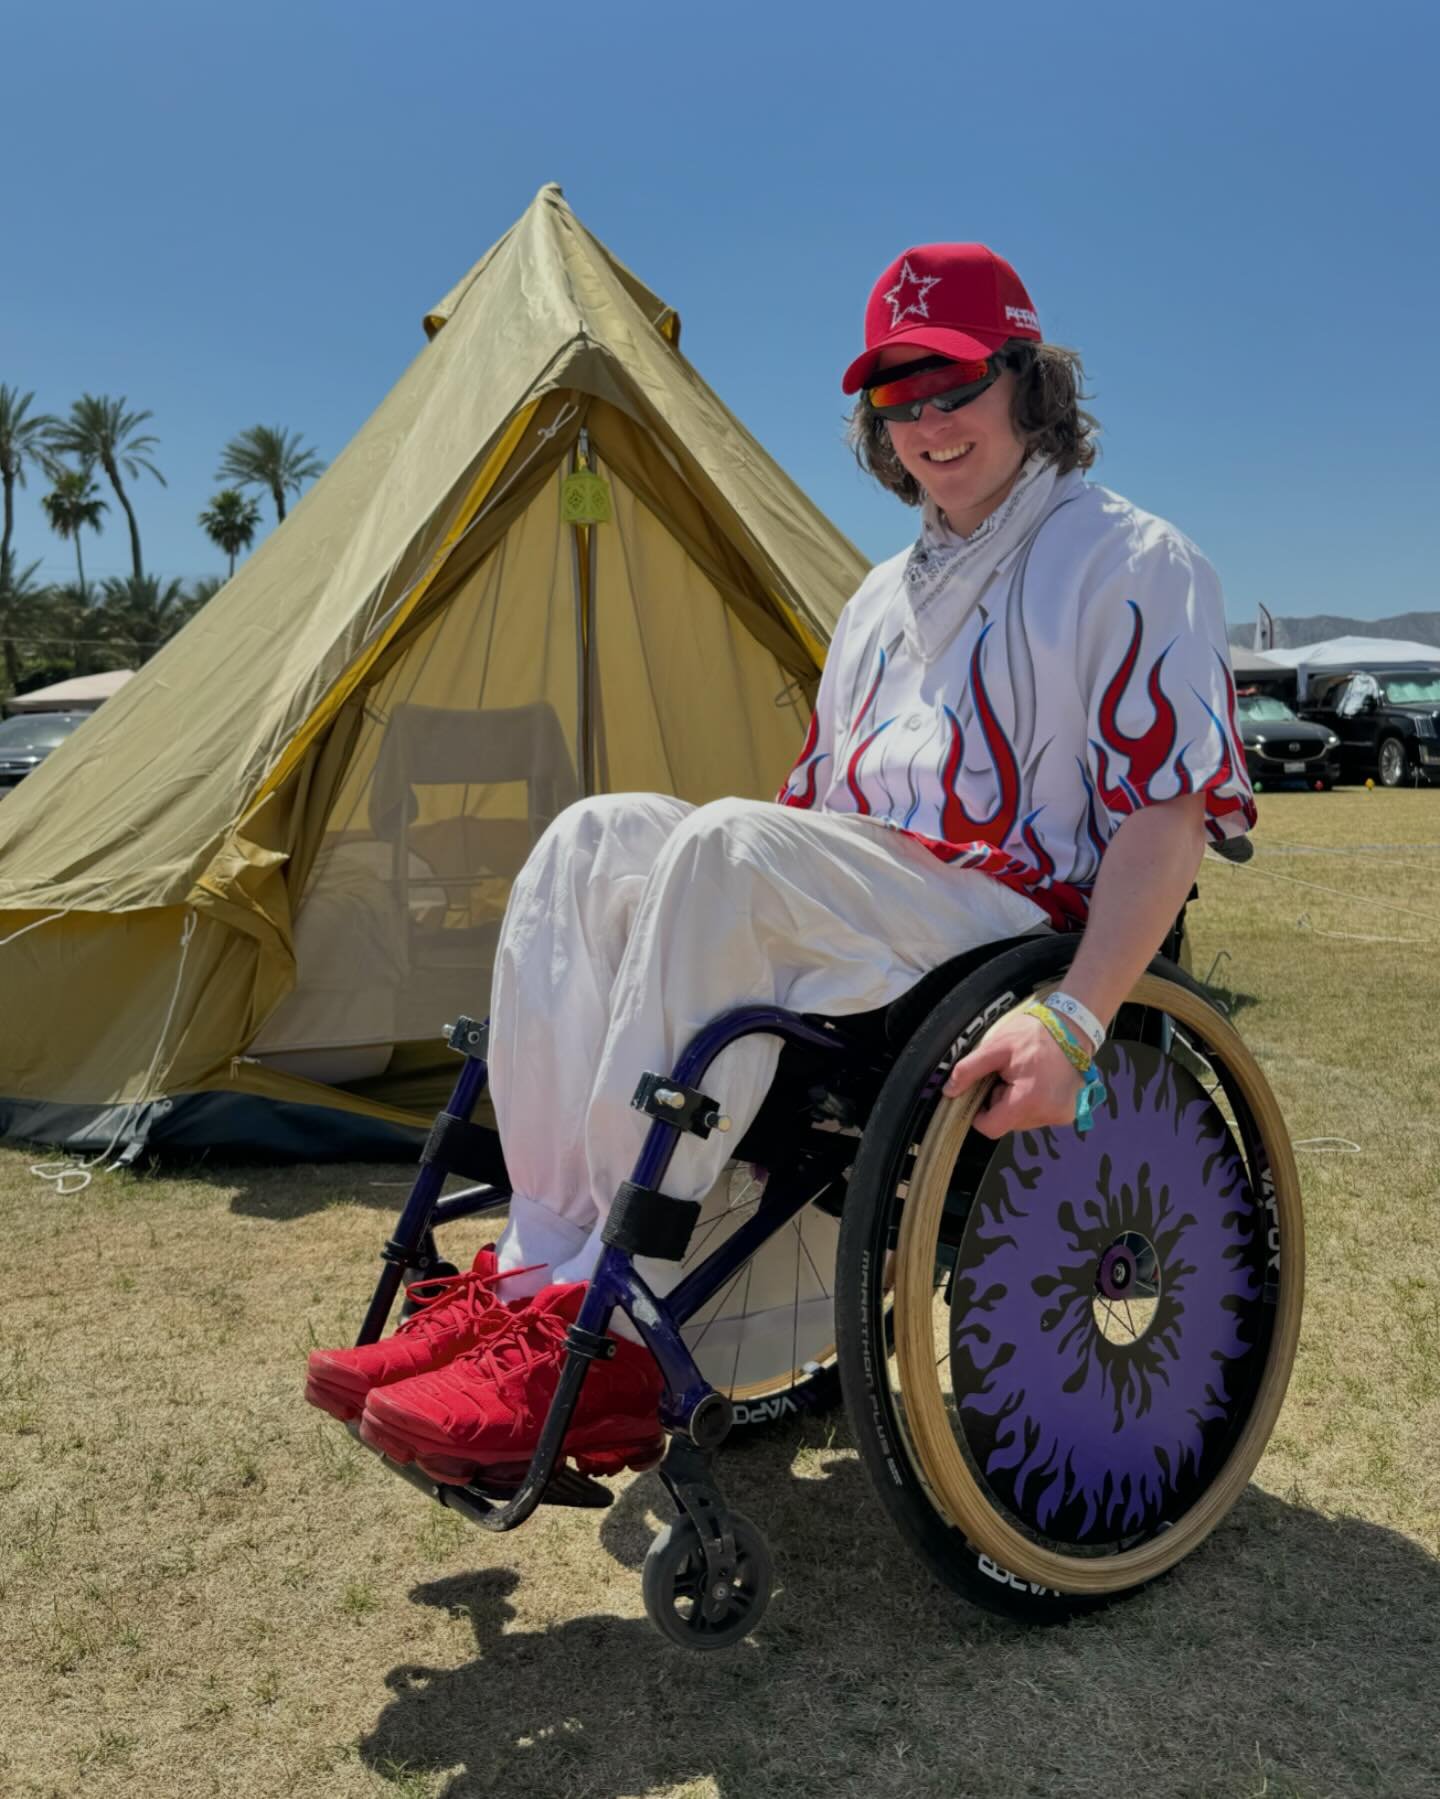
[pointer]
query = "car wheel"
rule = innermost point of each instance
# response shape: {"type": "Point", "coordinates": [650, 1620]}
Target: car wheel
{"type": "Point", "coordinates": [1394, 762]}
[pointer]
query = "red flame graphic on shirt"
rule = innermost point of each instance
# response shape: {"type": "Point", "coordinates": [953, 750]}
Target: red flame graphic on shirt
{"type": "Point", "coordinates": [1146, 754]}
{"type": "Point", "coordinates": [956, 822]}
{"type": "Point", "coordinates": [804, 797]}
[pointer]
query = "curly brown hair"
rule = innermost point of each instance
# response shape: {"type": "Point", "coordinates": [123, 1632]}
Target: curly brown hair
{"type": "Point", "coordinates": [1044, 408]}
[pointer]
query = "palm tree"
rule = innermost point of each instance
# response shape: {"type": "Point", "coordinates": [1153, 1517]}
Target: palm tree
{"type": "Point", "coordinates": [140, 613]}
{"type": "Point", "coordinates": [203, 589]}
{"type": "Point", "coordinates": [22, 440]}
{"type": "Point", "coordinates": [99, 429]}
{"type": "Point", "coordinates": [269, 457]}
{"type": "Point", "coordinates": [231, 520]}
{"type": "Point", "coordinates": [73, 630]}
{"type": "Point", "coordinates": [73, 505]}
{"type": "Point", "coordinates": [21, 605]}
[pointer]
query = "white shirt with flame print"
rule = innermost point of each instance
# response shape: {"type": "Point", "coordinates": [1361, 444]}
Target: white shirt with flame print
{"type": "Point", "coordinates": [1090, 678]}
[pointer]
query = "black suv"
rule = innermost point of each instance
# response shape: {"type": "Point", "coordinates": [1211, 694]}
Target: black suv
{"type": "Point", "coordinates": [1388, 722]}
{"type": "Point", "coordinates": [1280, 747]}
{"type": "Point", "coordinates": [25, 742]}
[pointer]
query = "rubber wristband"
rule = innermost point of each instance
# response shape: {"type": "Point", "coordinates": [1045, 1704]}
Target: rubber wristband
{"type": "Point", "coordinates": [1077, 1014]}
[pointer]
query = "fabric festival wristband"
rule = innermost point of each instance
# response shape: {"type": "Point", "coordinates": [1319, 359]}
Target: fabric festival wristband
{"type": "Point", "coordinates": [1092, 1094]}
{"type": "Point", "coordinates": [1092, 1089]}
{"type": "Point", "coordinates": [1074, 1012]}
{"type": "Point", "coordinates": [1076, 1054]}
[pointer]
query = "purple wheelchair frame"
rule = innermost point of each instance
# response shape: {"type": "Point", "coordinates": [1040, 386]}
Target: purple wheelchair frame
{"type": "Point", "coordinates": [695, 1414]}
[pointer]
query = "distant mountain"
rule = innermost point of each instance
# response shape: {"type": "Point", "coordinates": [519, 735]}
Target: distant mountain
{"type": "Point", "coordinates": [1294, 633]}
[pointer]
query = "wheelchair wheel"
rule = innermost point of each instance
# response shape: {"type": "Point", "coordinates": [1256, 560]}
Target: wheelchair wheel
{"type": "Point", "coordinates": [767, 1339]}
{"type": "Point", "coordinates": [672, 1584]}
{"type": "Point", "coordinates": [1093, 1335]}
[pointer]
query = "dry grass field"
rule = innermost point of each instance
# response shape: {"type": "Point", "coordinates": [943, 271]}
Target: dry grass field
{"type": "Point", "coordinates": [206, 1588]}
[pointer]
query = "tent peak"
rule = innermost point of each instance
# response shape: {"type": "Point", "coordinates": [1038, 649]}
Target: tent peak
{"type": "Point", "coordinates": [549, 237]}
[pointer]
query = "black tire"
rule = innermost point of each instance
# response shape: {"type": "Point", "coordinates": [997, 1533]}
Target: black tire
{"type": "Point", "coordinates": [868, 1238]}
{"type": "Point", "coordinates": [1393, 762]}
{"type": "Point", "coordinates": [671, 1578]}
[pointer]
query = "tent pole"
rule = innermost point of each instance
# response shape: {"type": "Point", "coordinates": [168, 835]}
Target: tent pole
{"type": "Point", "coordinates": [595, 707]}
{"type": "Point", "coordinates": [581, 570]}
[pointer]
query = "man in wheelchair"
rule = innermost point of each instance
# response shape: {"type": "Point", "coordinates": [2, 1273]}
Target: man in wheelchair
{"type": "Point", "coordinates": [1025, 725]}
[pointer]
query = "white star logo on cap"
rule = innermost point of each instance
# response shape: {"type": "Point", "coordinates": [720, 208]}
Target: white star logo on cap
{"type": "Point", "coordinates": [916, 305]}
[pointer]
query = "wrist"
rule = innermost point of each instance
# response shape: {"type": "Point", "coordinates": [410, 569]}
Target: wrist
{"type": "Point", "coordinates": [1078, 1015]}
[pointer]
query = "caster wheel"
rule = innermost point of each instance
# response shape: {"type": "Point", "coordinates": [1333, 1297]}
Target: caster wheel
{"type": "Point", "coordinates": [409, 1308]}
{"type": "Point", "coordinates": [673, 1586]}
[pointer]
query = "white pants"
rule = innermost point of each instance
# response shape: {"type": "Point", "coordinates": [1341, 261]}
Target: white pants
{"type": "Point", "coordinates": [638, 918]}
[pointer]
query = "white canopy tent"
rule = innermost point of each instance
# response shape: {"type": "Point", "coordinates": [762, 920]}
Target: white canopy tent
{"type": "Point", "coordinates": [1358, 653]}
{"type": "Point", "coordinates": [1251, 665]}
{"type": "Point", "coordinates": [82, 694]}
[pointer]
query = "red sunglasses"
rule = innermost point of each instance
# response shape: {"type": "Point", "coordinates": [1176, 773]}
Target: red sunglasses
{"type": "Point", "coordinates": [935, 381]}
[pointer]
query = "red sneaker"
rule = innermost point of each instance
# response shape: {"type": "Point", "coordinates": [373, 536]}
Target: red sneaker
{"type": "Point", "coordinates": [485, 1410]}
{"type": "Point", "coordinates": [457, 1311]}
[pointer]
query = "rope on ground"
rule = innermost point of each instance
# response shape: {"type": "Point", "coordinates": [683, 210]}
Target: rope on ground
{"type": "Point", "coordinates": [1302, 923]}
{"type": "Point", "coordinates": [68, 1176]}
{"type": "Point", "coordinates": [1355, 899]}
{"type": "Point", "coordinates": [1327, 1146]}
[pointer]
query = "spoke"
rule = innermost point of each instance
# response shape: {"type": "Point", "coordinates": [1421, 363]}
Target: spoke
{"type": "Point", "coordinates": [744, 1313]}
{"type": "Point", "coordinates": [719, 1307]}
{"type": "Point", "coordinates": [1146, 1290]}
{"type": "Point", "coordinates": [795, 1304]}
{"type": "Point", "coordinates": [744, 1202]}
{"type": "Point", "coordinates": [824, 1290]}
{"type": "Point", "coordinates": [741, 1205]}
{"type": "Point", "coordinates": [1129, 1319]}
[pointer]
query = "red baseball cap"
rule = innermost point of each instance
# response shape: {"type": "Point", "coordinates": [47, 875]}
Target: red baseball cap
{"type": "Point", "coordinates": [958, 300]}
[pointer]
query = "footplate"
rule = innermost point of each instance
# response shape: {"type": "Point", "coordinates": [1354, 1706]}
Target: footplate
{"type": "Point", "coordinates": [566, 1486]}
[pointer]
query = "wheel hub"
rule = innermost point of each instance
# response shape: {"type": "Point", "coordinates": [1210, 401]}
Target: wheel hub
{"type": "Point", "coordinates": [1127, 1288]}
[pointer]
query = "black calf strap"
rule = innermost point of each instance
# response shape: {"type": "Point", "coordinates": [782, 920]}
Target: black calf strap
{"type": "Point", "coordinates": [646, 1223]}
{"type": "Point", "coordinates": [460, 1147]}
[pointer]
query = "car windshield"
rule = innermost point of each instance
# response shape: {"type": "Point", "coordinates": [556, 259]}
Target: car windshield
{"type": "Point", "coordinates": [1412, 690]}
{"type": "Point", "coordinates": [37, 735]}
{"type": "Point", "coordinates": [1259, 708]}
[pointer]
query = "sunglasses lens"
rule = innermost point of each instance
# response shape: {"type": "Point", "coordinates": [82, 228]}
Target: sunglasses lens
{"type": "Point", "coordinates": [949, 385]}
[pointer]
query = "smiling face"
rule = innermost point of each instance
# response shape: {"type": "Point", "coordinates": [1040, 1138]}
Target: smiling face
{"type": "Point", "coordinates": [966, 461]}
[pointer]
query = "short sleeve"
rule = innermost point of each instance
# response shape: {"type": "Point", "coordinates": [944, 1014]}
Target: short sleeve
{"type": "Point", "coordinates": [1159, 695]}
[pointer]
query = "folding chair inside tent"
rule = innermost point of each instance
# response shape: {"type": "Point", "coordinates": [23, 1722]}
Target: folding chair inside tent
{"type": "Point", "coordinates": [463, 797]}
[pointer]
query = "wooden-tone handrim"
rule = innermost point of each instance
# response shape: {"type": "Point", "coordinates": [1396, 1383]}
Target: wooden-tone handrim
{"type": "Point", "coordinates": [776, 1384]}
{"type": "Point", "coordinates": [941, 1461]}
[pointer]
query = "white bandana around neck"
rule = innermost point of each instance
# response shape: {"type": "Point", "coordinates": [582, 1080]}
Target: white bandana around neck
{"type": "Point", "coordinates": [945, 573]}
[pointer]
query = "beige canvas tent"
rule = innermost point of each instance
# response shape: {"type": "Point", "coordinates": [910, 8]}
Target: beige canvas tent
{"type": "Point", "coordinates": [274, 863]}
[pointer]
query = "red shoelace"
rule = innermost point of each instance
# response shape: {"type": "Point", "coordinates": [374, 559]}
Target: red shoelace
{"type": "Point", "coordinates": [467, 1295]}
{"type": "Point", "coordinates": [532, 1341]}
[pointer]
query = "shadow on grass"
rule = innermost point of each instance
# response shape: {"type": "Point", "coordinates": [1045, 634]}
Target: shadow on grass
{"type": "Point", "coordinates": [285, 1194]}
{"type": "Point", "coordinates": [1292, 1655]}
{"type": "Point", "coordinates": [1232, 1002]}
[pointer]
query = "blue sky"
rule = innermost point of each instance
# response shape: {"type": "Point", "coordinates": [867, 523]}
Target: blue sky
{"type": "Point", "coordinates": [238, 214]}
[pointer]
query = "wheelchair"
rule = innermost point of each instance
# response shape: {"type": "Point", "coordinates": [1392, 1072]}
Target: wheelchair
{"type": "Point", "coordinates": [1061, 1355]}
